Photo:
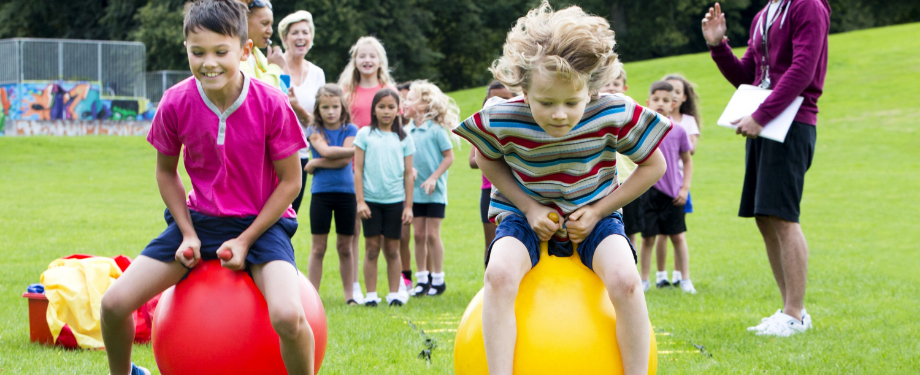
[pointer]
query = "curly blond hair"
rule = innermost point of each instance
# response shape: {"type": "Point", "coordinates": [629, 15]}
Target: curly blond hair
{"type": "Point", "coordinates": [441, 109]}
{"type": "Point", "coordinates": [568, 43]}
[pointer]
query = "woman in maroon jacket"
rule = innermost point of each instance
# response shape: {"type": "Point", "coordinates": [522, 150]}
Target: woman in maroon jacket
{"type": "Point", "coordinates": [788, 54]}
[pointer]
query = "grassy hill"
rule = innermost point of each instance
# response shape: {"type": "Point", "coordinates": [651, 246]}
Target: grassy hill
{"type": "Point", "coordinates": [98, 195]}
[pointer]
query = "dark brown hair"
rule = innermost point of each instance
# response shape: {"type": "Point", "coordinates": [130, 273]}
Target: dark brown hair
{"type": "Point", "coordinates": [691, 105]}
{"type": "Point", "coordinates": [397, 122]}
{"type": "Point", "coordinates": [660, 86]}
{"type": "Point", "coordinates": [225, 17]}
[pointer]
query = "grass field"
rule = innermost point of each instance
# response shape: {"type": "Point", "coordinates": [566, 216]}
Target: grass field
{"type": "Point", "coordinates": [98, 195]}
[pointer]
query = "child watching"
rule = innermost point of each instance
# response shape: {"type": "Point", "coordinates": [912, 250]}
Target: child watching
{"type": "Point", "coordinates": [496, 89]}
{"type": "Point", "coordinates": [663, 204]}
{"type": "Point", "coordinates": [526, 147]}
{"type": "Point", "coordinates": [432, 115]}
{"type": "Point", "coordinates": [240, 203]}
{"type": "Point", "coordinates": [331, 138]}
{"type": "Point", "coordinates": [686, 114]}
{"type": "Point", "coordinates": [618, 85]}
{"type": "Point", "coordinates": [383, 185]}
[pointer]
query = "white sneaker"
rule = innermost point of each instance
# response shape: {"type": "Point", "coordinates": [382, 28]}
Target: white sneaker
{"type": "Point", "coordinates": [783, 325]}
{"type": "Point", "coordinates": [646, 286]}
{"type": "Point", "coordinates": [357, 296]}
{"type": "Point", "coordinates": [687, 286]}
{"type": "Point", "coordinates": [806, 319]}
{"type": "Point", "coordinates": [764, 322]}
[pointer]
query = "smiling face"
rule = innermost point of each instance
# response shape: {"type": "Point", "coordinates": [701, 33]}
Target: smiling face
{"type": "Point", "coordinates": [367, 60]}
{"type": "Point", "coordinates": [414, 106]}
{"type": "Point", "coordinates": [260, 26]}
{"type": "Point", "coordinates": [330, 108]}
{"type": "Point", "coordinates": [299, 39]}
{"type": "Point", "coordinates": [661, 101]}
{"type": "Point", "coordinates": [386, 111]}
{"type": "Point", "coordinates": [215, 59]}
{"type": "Point", "coordinates": [557, 104]}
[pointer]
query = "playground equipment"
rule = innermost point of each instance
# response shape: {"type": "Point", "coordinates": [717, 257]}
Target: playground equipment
{"type": "Point", "coordinates": [216, 322]}
{"type": "Point", "coordinates": [566, 324]}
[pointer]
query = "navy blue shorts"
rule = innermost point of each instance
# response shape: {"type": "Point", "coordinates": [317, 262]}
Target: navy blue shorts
{"type": "Point", "coordinates": [274, 244]}
{"type": "Point", "coordinates": [516, 226]}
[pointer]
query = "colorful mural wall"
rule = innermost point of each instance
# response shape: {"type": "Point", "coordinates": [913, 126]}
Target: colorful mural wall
{"type": "Point", "coordinates": [70, 107]}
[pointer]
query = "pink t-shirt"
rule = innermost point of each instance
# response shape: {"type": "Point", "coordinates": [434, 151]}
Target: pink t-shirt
{"type": "Point", "coordinates": [228, 156]}
{"type": "Point", "coordinates": [486, 184]}
{"type": "Point", "coordinates": [361, 106]}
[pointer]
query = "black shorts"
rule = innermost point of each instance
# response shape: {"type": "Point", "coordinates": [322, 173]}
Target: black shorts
{"type": "Point", "coordinates": [435, 210]}
{"type": "Point", "coordinates": [632, 216]}
{"type": "Point", "coordinates": [386, 219]}
{"type": "Point", "coordinates": [274, 244]}
{"type": "Point", "coordinates": [774, 174]}
{"type": "Point", "coordinates": [660, 215]}
{"type": "Point", "coordinates": [485, 198]}
{"type": "Point", "coordinates": [322, 206]}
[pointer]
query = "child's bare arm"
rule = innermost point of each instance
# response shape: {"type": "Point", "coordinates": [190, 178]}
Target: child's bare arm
{"type": "Point", "coordinates": [499, 173]}
{"type": "Point", "coordinates": [582, 221]}
{"type": "Point", "coordinates": [409, 183]}
{"type": "Point", "coordinates": [473, 159]}
{"type": "Point", "coordinates": [347, 150]}
{"type": "Point", "coordinates": [173, 193]}
{"type": "Point", "coordinates": [364, 212]}
{"type": "Point", "coordinates": [289, 183]}
{"type": "Point", "coordinates": [325, 163]}
{"type": "Point", "coordinates": [681, 198]}
{"type": "Point", "coordinates": [432, 181]}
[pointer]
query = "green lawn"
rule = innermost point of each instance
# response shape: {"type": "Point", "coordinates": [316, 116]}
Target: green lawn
{"type": "Point", "coordinates": [97, 195]}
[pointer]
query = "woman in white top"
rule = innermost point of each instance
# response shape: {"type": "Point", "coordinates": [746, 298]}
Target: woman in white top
{"type": "Point", "coordinates": [306, 78]}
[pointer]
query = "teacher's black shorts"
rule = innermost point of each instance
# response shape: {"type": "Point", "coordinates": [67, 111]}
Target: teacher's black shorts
{"type": "Point", "coordinates": [774, 174]}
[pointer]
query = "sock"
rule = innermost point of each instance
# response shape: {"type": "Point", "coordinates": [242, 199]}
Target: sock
{"type": "Point", "coordinates": [356, 287]}
{"type": "Point", "coordinates": [407, 274]}
{"type": "Point", "coordinates": [422, 277]}
{"type": "Point", "coordinates": [371, 296]}
{"type": "Point", "coordinates": [676, 276]}
{"type": "Point", "coordinates": [437, 278]}
{"type": "Point", "coordinates": [661, 275]}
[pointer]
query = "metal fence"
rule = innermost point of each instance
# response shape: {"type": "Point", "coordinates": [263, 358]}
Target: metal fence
{"type": "Point", "coordinates": [118, 66]}
{"type": "Point", "coordinates": [160, 80]}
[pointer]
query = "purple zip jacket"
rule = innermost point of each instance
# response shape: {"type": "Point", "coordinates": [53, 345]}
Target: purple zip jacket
{"type": "Point", "coordinates": [797, 44]}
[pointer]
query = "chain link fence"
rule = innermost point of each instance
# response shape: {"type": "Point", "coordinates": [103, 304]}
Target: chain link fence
{"type": "Point", "coordinates": [117, 66]}
{"type": "Point", "coordinates": [160, 80]}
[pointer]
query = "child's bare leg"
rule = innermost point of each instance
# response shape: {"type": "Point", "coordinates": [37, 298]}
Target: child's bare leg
{"type": "Point", "coordinates": [146, 278]}
{"type": "Point", "coordinates": [277, 280]}
{"type": "Point", "coordinates": [343, 246]}
{"type": "Point", "coordinates": [435, 246]}
{"type": "Point", "coordinates": [661, 252]}
{"type": "Point", "coordinates": [394, 266]}
{"type": "Point", "coordinates": [315, 265]}
{"type": "Point", "coordinates": [421, 243]}
{"type": "Point", "coordinates": [508, 264]}
{"type": "Point", "coordinates": [371, 251]}
{"type": "Point", "coordinates": [613, 262]}
{"type": "Point", "coordinates": [645, 256]}
{"type": "Point", "coordinates": [356, 249]}
{"type": "Point", "coordinates": [681, 252]}
{"type": "Point", "coordinates": [405, 253]}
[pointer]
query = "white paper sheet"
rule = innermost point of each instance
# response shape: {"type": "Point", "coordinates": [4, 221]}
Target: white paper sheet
{"type": "Point", "coordinates": [747, 99]}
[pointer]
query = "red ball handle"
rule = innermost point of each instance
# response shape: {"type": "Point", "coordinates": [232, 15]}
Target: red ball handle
{"type": "Point", "coordinates": [188, 253]}
{"type": "Point", "coordinates": [225, 254]}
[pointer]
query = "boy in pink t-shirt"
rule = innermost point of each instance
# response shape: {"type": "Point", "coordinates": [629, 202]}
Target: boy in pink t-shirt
{"type": "Point", "coordinates": [239, 139]}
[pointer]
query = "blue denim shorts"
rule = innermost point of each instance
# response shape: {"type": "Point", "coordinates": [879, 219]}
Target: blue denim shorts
{"type": "Point", "coordinates": [274, 244]}
{"type": "Point", "coordinates": [516, 226]}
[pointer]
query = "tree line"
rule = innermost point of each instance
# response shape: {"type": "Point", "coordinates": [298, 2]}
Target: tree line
{"type": "Point", "coordinates": [449, 42]}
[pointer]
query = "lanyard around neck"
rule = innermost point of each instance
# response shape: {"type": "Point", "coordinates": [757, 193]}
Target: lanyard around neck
{"type": "Point", "coordinates": [765, 23]}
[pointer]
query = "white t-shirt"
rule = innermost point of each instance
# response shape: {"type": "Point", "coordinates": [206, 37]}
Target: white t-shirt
{"type": "Point", "coordinates": [689, 124]}
{"type": "Point", "coordinates": [306, 94]}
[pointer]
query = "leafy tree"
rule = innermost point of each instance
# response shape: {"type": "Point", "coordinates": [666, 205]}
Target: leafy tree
{"type": "Point", "coordinates": [159, 27]}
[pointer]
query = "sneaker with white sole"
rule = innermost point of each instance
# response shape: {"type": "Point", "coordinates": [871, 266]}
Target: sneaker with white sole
{"type": "Point", "coordinates": [646, 285]}
{"type": "Point", "coordinates": [138, 370]}
{"type": "Point", "coordinates": [783, 325]}
{"type": "Point", "coordinates": [687, 286]}
{"type": "Point", "coordinates": [806, 319]}
{"type": "Point", "coordinates": [358, 296]}
{"type": "Point", "coordinates": [764, 322]}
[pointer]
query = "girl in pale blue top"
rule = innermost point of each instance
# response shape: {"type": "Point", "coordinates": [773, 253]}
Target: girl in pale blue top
{"type": "Point", "coordinates": [432, 115]}
{"type": "Point", "coordinates": [383, 188]}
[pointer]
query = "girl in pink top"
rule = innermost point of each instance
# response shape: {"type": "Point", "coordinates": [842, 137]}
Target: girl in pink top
{"type": "Point", "coordinates": [366, 73]}
{"type": "Point", "coordinates": [488, 228]}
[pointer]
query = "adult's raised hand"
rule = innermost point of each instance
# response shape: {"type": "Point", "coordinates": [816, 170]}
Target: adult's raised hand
{"type": "Point", "coordinates": [714, 25]}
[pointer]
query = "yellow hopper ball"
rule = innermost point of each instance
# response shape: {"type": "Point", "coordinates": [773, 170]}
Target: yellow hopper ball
{"type": "Point", "coordinates": [566, 324]}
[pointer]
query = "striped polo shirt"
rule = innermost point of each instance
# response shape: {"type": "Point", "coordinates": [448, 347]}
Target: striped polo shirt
{"type": "Point", "coordinates": [575, 170]}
